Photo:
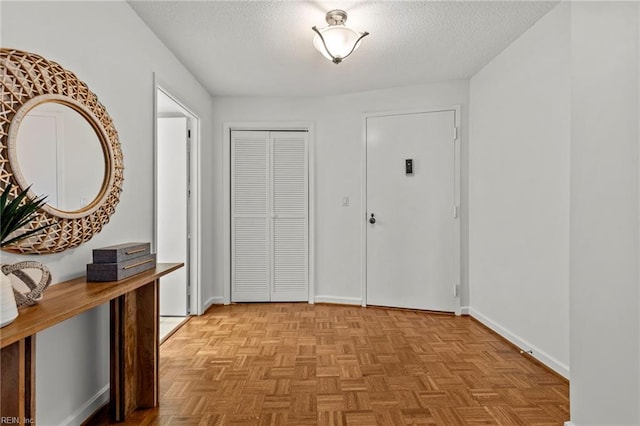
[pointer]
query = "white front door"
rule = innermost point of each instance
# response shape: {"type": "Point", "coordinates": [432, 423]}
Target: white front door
{"type": "Point", "coordinates": [411, 246]}
{"type": "Point", "coordinates": [172, 212]}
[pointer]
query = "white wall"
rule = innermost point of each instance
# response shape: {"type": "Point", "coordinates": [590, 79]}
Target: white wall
{"type": "Point", "coordinates": [605, 308]}
{"type": "Point", "coordinates": [519, 191]}
{"type": "Point", "coordinates": [338, 170]}
{"type": "Point", "coordinates": [108, 47]}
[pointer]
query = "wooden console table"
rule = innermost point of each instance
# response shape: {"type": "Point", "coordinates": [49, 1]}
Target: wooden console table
{"type": "Point", "coordinates": [134, 351]}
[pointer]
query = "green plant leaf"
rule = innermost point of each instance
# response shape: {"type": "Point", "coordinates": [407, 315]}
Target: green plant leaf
{"type": "Point", "coordinates": [17, 213]}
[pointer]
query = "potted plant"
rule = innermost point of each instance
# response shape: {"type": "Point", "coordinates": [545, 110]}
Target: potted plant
{"type": "Point", "coordinates": [14, 215]}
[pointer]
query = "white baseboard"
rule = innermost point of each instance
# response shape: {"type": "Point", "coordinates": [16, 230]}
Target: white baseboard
{"type": "Point", "coordinates": [338, 300]}
{"type": "Point", "coordinates": [212, 301]}
{"type": "Point", "coordinates": [465, 310]}
{"type": "Point", "coordinates": [538, 354]}
{"type": "Point", "coordinates": [207, 304]}
{"type": "Point", "coordinates": [89, 407]}
{"type": "Point", "coordinates": [569, 424]}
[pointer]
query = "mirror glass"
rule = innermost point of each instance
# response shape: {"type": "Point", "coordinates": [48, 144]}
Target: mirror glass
{"type": "Point", "coordinates": [61, 156]}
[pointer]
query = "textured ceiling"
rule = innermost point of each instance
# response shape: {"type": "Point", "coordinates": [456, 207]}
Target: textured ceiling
{"type": "Point", "coordinates": [264, 48]}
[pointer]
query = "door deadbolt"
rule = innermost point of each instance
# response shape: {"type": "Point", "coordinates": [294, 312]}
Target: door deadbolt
{"type": "Point", "coordinates": [372, 219]}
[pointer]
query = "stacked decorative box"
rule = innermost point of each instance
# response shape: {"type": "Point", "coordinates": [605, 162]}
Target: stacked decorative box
{"type": "Point", "coordinates": [120, 261]}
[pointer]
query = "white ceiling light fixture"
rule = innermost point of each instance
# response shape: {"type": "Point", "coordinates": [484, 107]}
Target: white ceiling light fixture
{"type": "Point", "coordinates": [337, 41]}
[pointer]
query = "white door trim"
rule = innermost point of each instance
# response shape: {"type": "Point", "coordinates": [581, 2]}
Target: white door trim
{"type": "Point", "coordinates": [227, 127]}
{"type": "Point", "coordinates": [194, 216]}
{"type": "Point", "coordinates": [455, 286]}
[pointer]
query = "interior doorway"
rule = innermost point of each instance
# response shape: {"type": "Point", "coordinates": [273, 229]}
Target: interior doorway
{"type": "Point", "coordinates": [176, 205]}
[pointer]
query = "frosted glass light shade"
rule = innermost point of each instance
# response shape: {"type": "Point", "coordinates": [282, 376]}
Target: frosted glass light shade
{"type": "Point", "coordinates": [339, 40]}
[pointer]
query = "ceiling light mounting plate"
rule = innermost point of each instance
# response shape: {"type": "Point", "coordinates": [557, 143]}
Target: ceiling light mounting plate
{"type": "Point", "coordinates": [336, 17]}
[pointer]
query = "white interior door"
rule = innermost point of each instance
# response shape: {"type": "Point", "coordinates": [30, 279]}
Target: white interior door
{"type": "Point", "coordinates": [172, 212]}
{"type": "Point", "coordinates": [411, 248]}
{"type": "Point", "coordinates": [269, 216]}
{"type": "Point", "coordinates": [42, 159]}
{"type": "Point", "coordinates": [289, 212]}
{"type": "Point", "coordinates": [250, 224]}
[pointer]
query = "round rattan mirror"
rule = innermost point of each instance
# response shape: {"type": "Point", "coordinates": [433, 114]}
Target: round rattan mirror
{"type": "Point", "coordinates": [32, 83]}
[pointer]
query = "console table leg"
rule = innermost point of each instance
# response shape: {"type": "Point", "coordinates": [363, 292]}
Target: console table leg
{"type": "Point", "coordinates": [18, 386]}
{"type": "Point", "coordinates": [147, 344]}
{"type": "Point", "coordinates": [116, 397]}
{"type": "Point", "coordinates": [134, 351]}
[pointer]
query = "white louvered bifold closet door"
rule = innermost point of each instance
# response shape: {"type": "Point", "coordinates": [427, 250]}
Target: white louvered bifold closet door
{"type": "Point", "coordinates": [289, 200]}
{"type": "Point", "coordinates": [250, 224]}
{"type": "Point", "coordinates": [269, 216]}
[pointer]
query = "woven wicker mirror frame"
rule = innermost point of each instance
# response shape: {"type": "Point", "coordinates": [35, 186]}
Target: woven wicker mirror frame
{"type": "Point", "coordinates": [26, 81]}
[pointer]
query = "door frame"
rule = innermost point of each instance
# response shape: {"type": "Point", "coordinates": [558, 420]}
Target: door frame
{"type": "Point", "coordinates": [193, 209]}
{"type": "Point", "coordinates": [227, 128]}
{"type": "Point", "coordinates": [455, 287]}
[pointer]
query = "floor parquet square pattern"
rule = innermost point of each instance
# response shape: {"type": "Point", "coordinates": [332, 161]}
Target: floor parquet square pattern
{"type": "Point", "coordinates": [330, 365]}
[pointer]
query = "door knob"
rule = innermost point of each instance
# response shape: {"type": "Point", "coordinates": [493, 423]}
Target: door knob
{"type": "Point", "coordinates": [372, 219]}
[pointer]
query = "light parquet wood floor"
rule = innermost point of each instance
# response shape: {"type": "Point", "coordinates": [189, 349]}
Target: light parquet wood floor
{"type": "Point", "coordinates": [300, 364]}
